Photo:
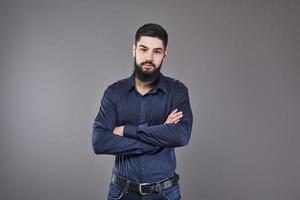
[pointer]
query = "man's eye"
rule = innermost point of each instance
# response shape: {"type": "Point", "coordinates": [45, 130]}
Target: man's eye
{"type": "Point", "coordinates": [143, 50]}
{"type": "Point", "coordinates": [157, 52]}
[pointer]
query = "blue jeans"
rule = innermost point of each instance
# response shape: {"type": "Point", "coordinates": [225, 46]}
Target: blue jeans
{"type": "Point", "coordinates": [118, 193]}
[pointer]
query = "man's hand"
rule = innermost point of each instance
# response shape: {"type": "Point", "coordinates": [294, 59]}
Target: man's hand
{"type": "Point", "coordinates": [119, 130]}
{"type": "Point", "coordinates": [174, 117]}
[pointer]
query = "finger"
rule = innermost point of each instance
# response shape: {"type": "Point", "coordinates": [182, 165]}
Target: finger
{"type": "Point", "coordinates": [174, 111]}
{"type": "Point", "coordinates": [177, 114]}
{"type": "Point", "coordinates": [177, 118]}
{"type": "Point", "coordinates": [176, 121]}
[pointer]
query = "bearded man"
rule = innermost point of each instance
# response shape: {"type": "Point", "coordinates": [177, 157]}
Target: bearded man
{"type": "Point", "coordinates": [141, 120]}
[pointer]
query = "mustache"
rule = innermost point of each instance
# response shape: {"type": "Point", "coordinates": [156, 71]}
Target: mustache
{"type": "Point", "coordinates": [147, 62]}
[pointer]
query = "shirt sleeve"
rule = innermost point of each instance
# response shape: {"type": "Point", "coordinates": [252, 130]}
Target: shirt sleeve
{"type": "Point", "coordinates": [167, 135]}
{"type": "Point", "coordinates": [103, 139]}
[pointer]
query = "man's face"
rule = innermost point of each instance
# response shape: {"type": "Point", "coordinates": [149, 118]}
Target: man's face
{"type": "Point", "coordinates": [149, 53]}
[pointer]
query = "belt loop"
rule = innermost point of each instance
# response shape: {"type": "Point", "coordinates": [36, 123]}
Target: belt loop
{"type": "Point", "coordinates": [159, 188]}
{"type": "Point", "coordinates": [127, 186]}
{"type": "Point", "coordinates": [127, 183]}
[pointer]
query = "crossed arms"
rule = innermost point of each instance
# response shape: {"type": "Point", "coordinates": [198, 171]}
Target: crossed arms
{"type": "Point", "coordinates": [138, 139]}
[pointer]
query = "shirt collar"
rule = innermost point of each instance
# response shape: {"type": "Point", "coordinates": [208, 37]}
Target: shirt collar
{"type": "Point", "coordinates": [160, 84]}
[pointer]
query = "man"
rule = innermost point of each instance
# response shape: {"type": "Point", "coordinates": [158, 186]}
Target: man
{"type": "Point", "coordinates": [141, 120]}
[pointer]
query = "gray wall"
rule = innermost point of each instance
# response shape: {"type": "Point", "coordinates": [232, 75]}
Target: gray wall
{"type": "Point", "coordinates": [239, 59]}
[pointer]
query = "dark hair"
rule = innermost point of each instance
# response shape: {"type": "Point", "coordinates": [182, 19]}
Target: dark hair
{"type": "Point", "coordinates": [152, 30]}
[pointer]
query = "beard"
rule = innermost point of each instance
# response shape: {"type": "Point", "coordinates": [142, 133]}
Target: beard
{"type": "Point", "coordinates": [146, 76]}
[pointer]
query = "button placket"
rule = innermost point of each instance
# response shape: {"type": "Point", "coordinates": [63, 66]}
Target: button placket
{"type": "Point", "coordinates": [143, 111]}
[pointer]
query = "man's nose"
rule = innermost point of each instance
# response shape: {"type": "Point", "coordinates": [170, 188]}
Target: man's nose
{"type": "Point", "coordinates": [149, 56]}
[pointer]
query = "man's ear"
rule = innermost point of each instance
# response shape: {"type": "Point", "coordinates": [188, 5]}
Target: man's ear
{"type": "Point", "coordinates": [166, 53]}
{"type": "Point", "coordinates": [133, 50]}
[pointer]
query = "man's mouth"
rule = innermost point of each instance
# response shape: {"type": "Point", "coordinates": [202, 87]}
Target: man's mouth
{"type": "Point", "coordinates": [148, 66]}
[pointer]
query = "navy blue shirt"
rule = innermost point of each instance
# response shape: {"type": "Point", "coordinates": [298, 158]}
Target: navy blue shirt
{"type": "Point", "coordinates": [146, 151]}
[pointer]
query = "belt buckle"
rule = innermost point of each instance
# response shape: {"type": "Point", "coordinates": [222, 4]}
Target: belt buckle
{"type": "Point", "coordinates": [141, 190]}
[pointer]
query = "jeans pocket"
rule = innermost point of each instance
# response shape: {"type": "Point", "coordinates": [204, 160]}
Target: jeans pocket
{"type": "Point", "coordinates": [172, 193]}
{"type": "Point", "coordinates": [115, 192]}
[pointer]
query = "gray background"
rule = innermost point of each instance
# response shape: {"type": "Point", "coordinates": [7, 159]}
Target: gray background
{"type": "Point", "coordinates": [239, 59]}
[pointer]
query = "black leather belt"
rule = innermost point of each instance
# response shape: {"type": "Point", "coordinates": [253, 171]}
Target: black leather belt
{"type": "Point", "coordinates": [145, 188]}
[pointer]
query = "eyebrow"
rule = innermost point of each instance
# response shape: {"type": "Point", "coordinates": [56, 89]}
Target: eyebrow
{"type": "Point", "coordinates": [148, 48]}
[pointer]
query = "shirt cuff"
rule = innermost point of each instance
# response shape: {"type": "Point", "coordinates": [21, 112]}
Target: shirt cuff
{"type": "Point", "coordinates": [130, 131]}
